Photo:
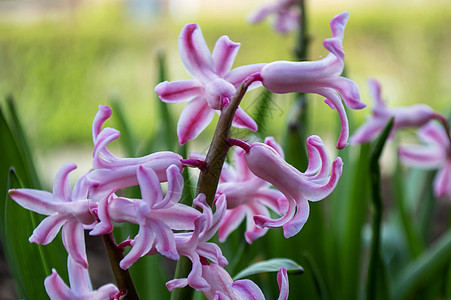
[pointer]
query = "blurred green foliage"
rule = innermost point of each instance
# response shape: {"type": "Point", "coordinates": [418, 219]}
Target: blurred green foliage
{"type": "Point", "coordinates": [60, 69]}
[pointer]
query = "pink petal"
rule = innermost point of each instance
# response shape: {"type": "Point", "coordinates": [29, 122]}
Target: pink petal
{"type": "Point", "coordinates": [74, 242]}
{"type": "Point", "coordinates": [282, 281]}
{"type": "Point", "coordinates": [261, 13]}
{"type": "Point", "coordinates": [242, 172]}
{"type": "Point", "coordinates": [230, 222]}
{"type": "Point", "coordinates": [428, 157]}
{"type": "Point", "coordinates": [150, 186]}
{"type": "Point", "coordinates": [102, 156]}
{"type": "Point", "coordinates": [285, 177]}
{"type": "Point", "coordinates": [335, 102]}
{"type": "Point", "coordinates": [219, 280]}
{"type": "Point", "coordinates": [375, 93]}
{"type": "Point", "coordinates": [338, 25]}
{"type": "Point", "coordinates": [176, 283]}
{"type": "Point", "coordinates": [142, 244]}
{"type": "Point", "coordinates": [368, 131]}
{"type": "Point", "coordinates": [195, 279]}
{"type": "Point", "coordinates": [292, 227]}
{"type": "Point", "coordinates": [239, 74]}
{"type": "Point", "coordinates": [164, 240]}
{"type": "Point", "coordinates": [243, 120]}
{"type": "Point", "coordinates": [211, 252]}
{"type": "Point", "coordinates": [56, 288]}
{"type": "Point", "coordinates": [178, 216]}
{"type": "Point", "coordinates": [195, 55]}
{"type": "Point", "coordinates": [270, 141]}
{"type": "Point", "coordinates": [175, 187]}
{"type": "Point", "coordinates": [286, 21]}
{"type": "Point", "coordinates": [349, 91]}
{"type": "Point", "coordinates": [102, 115]}
{"type": "Point", "coordinates": [80, 190]}
{"type": "Point", "coordinates": [442, 181]}
{"type": "Point", "coordinates": [435, 134]}
{"type": "Point", "coordinates": [265, 222]}
{"type": "Point", "coordinates": [178, 91]}
{"type": "Point", "coordinates": [224, 55]}
{"type": "Point", "coordinates": [61, 185]}
{"type": "Point", "coordinates": [38, 201]}
{"type": "Point", "coordinates": [78, 277]}
{"type": "Point", "coordinates": [194, 119]}
{"type": "Point", "coordinates": [248, 289]}
{"type": "Point", "coordinates": [252, 231]}
{"type": "Point", "coordinates": [272, 198]}
{"type": "Point", "coordinates": [48, 229]}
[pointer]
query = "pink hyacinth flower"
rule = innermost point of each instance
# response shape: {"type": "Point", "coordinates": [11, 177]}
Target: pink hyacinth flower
{"type": "Point", "coordinates": [111, 173]}
{"type": "Point", "coordinates": [67, 209]}
{"type": "Point", "coordinates": [286, 15]}
{"type": "Point", "coordinates": [80, 286]}
{"type": "Point", "coordinates": [410, 116]}
{"type": "Point", "coordinates": [222, 286]}
{"type": "Point", "coordinates": [156, 215]}
{"type": "Point", "coordinates": [214, 83]}
{"type": "Point", "coordinates": [195, 246]}
{"type": "Point", "coordinates": [434, 154]}
{"type": "Point", "coordinates": [319, 77]}
{"type": "Point", "coordinates": [247, 195]}
{"type": "Point", "coordinates": [318, 181]}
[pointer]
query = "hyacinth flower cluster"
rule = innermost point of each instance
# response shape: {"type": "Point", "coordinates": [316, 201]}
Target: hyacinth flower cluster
{"type": "Point", "coordinates": [432, 130]}
{"type": "Point", "coordinates": [285, 13]}
{"type": "Point", "coordinates": [259, 183]}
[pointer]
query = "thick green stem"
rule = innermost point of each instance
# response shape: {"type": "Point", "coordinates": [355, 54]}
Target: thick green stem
{"type": "Point", "coordinates": [123, 279]}
{"type": "Point", "coordinates": [303, 40]}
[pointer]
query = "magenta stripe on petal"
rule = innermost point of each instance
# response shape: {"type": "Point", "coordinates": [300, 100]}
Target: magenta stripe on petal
{"type": "Point", "coordinates": [194, 118]}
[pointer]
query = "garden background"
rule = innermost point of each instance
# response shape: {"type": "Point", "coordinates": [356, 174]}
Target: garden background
{"type": "Point", "coordinates": [59, 62]}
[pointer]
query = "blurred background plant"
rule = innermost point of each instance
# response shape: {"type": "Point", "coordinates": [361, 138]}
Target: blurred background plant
{"type": "Point", "coordinates": [60, 61]}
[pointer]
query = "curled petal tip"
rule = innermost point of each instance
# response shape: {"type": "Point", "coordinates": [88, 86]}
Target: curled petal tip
{"type": "Point", "coordinates": [338, 24]}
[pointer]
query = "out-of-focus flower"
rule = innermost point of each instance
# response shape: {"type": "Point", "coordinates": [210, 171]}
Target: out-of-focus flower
{"type": "Point", "coordinates": [434, 154]}
{"type": "Point", "coordinates": [80, 286]}
{"type": "Point", "coordinates": [286, 15]}
{"type": "Point", "coordinates": [156, 215]}
{"type": "Point", "coordinates": [408, 116]}
{"type": "Point", "coordinates": [319, 77]}
{"type": "Point", "coordinates": [247, 195]}
{"type": "Point", "coordinates": [222, 286]}
{"type": "Point", "coordinates": [67, 209]}
{"type": "Point", "coordinates": [194, 245]}
{"type": "Point", "coordinates": [214, 83]}
{"type": "Point", "coordinates": [111, 173]}
{"type": "Point", "coordinates": [318, 181]}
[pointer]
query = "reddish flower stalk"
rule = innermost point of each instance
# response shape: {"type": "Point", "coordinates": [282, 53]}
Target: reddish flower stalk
{"type": "Point", "coordinates": [219, 147]}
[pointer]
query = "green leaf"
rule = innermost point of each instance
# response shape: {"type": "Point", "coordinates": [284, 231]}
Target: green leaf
{"type": "Point", "coordinates": [431, 263]}
{"type": "Point", "coordinates": [22, 142]}
{"type": "Point", "coordinates": [271, 265]}
{"type": "Point", "coordinates": [351, 212]}
{"type": "Point", "coordinates": [20, 253]}
{"type": "Point", "coordinates": [26, 261]}
{"type": "Point", "coordinates": [127, 138]}
{"type": "Point", "coordinates": [317, 277]}
{"type": "Point", "coordinates": [376, 272]}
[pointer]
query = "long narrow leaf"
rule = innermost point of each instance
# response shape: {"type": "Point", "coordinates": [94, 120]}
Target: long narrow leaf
{"type": "Point", "coordinates": [270, 265]}
{"type": "Point", "coordinates": [419, 271]}
{"type": "Point", "coordinates": [375, 275]}
{"type": "Point", "coordinates": [27, 262]}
